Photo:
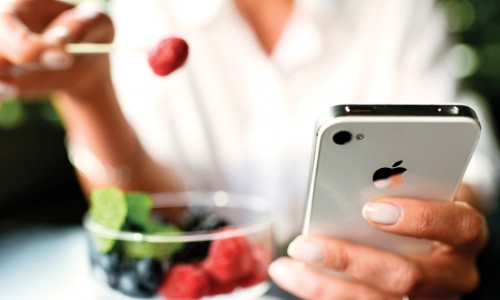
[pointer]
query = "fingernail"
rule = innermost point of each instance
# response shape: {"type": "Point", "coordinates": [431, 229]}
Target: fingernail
{"type": "Point", "coordinates": [7, 91]}
{"type": "Point", "coordinates": [304, 249]}
{"type": "Point", "coordinates": [56, 34]}
{"type": "Point", "coordinates": [381, 212]}
{"type": "Point", "coordinates": [54, 59]}
{"type": "Point", "coordinates": [16, 71]}
{"type": "Point", "coordinates": [89, 10]}
{"type": "Point", "coordinates": [284, 272]}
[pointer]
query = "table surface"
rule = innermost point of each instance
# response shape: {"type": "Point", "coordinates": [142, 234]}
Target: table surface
{"type": "Point", "coordinates": [51, 263]}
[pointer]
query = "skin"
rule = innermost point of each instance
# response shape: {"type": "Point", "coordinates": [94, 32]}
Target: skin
{"type": "Point", "coordinates": [446, 272]}
{"type": "Point", "coordinates": [85, 96]}
{"type": "Point", "coordinates": [266, 18]}
{"type": "Point", "coordinates": [82, 88]}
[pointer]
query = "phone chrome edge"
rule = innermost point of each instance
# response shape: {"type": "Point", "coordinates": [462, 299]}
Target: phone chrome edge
{"type": "Point", "coordinates": [431, 110]}
{"type": "Point", "coordinates": [312, 180]}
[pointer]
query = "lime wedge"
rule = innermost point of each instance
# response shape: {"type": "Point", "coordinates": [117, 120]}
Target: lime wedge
{"type": "Point", "coordinates": [108, 208]}
{"type": "Point", "coordinates": [139, 208]}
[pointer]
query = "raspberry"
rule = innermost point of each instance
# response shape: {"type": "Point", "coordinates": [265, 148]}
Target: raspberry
{"type": "Point", "coordinates": [229, 260]}
{"type": "Point", "coordinates": [185, 281]}
{"type": "Point", "coordinates": [262, 258]}
{"type": "Point", "coordinates": [168, 55]}
{"type": "Point", "coordinates": [224, 288]}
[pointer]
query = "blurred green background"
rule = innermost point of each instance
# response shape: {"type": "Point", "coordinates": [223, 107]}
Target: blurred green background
{"type": "Point", "coordinates": [475, 26]}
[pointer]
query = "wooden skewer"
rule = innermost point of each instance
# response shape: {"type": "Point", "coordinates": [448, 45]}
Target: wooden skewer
{"type": "Point", "coordinates": [93, 48]}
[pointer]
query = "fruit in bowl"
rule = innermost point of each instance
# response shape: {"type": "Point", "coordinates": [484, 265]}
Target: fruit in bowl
{"type": "Point", "coordinates": [188, 245]}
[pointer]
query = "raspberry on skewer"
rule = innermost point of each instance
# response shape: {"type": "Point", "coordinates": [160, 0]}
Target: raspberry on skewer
{"type": "Point", "coordinates": [166, 56]}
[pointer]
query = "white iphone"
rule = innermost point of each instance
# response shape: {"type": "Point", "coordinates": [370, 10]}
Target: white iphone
{"type": "Point", "coordinates": [364, 152]}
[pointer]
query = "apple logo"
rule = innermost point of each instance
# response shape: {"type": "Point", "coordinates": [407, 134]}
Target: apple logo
{"type": "Point", "coordinates": [389, 177]}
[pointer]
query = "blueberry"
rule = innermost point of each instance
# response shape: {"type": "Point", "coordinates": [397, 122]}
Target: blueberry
{"type": "Point", "coordinates": [92, 251]}
{"type": "Point", "coordinates": [130, 284]}
{"type": "Point", "coordinates": [149, 272]}
{"type": "Point", "coordinates": [110, 264]}
{"type": "Point", "coordinates": [112, 280]}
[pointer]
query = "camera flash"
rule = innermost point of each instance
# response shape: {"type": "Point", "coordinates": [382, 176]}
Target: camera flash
{"type": "Point", "coordinates": [360, 136]}
{"type": "Point", "coordinates": [454, 110]}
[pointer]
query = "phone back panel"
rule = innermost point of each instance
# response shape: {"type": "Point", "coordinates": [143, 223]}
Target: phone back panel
{"type": "Point", "coordinates": [434, 150]}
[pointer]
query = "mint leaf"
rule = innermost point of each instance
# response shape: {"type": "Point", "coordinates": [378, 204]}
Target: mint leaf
{"type": "Point", "coordinates": [154, 250]}
{"type": "Point", "coordinates": [139, 208]}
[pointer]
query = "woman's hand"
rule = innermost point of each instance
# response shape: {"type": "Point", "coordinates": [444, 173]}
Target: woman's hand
{"type": "Point", "coordinates": [446, 272]}
{"type": "Point", "coordinates": [32, 34]}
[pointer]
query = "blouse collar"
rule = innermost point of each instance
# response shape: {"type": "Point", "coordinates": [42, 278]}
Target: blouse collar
{"type": "Point", "coordinates": [301, 42]}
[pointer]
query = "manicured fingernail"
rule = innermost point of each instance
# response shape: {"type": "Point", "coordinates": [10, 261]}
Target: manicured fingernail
{"type": "Point", "coordinates": [56, 34]}
{"type": "Point", "coordinates": [16, 71]}
{"type": "Point", "coordinates": [88, 10]}
{"type": "Point", "coordinates": [304, 249]}
{"type": "Point", "coordinates": [7, 91]}
{"type": "Point", "coordinates": [284, 272]}
{"type": "Point", "coordinates": [56, 60]}
{"type": "Point", "coordinates": [381, 212]}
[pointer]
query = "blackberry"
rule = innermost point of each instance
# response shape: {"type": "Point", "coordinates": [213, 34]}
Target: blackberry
{"type": "Point", "coordinates": [197, 220]}
{"type": "Point", "coordinates": [192, 251]}
{"type": "Point", "coordinates": [201, 220]}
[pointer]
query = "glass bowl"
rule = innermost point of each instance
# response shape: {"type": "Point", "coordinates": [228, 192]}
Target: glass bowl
{"type": "Point", "coordinates": [221, 250]}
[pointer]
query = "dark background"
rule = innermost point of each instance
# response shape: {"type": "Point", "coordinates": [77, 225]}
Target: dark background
{"type": "Point", "coordinates": [38, 184]}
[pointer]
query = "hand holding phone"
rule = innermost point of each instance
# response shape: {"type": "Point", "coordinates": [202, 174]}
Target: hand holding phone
{"type": "Point", "coordinates": [365, 152]}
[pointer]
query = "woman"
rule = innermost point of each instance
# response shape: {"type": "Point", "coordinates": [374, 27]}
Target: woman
{"type": "Point", "coordinates": [238, 117]}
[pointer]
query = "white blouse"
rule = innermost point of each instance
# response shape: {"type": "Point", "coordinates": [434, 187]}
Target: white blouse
{"type": "Point", "coordinates": [239, 120]}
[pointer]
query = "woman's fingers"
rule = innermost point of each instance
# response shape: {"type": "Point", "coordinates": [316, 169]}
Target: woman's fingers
{"type": "Point", "coordinates": [5, 67]}
{"type": "Point", "coordinates": [458, 230]}
{"type": "Point", "coordinates": [448, 274]}
{"type": "Point", "coordinates": [308, 282]}
{"type": "Point", "coordinates": [35, 63]}
{"type": "Point", "coordinates": [8, 90]}
{"type": "Point", "coordinates": [31, 50]}
{"type": "Point", "coordinates": [36, 14]}
{"type": "Point", "coordinates": [387, 271]}
{"type": "Point", "coordinates": [19, 45]}
{"type": "Point", "coordinates": [452, 223]}
{"type": "Point", "coordinates": [19, 25]}
{"type": "Point", "coordinates": [374, 267]}
{"type": "Point", "coordinates": [84, 23]}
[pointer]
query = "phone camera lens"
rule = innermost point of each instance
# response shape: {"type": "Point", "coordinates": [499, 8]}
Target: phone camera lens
{"type": "Point", "coordinates": [342, 137]}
